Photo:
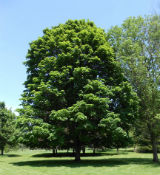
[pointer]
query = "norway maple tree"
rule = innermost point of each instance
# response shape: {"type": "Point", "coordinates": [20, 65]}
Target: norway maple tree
{"type": "Point", "coordinates": [76, 87]}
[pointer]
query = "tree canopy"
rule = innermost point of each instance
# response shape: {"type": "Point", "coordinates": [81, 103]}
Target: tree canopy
{"type": "Point", "coordinates": [136, 44]}
{"type": "Point", "coordinates": [7, 127]}
{"type": "Point", "coordinates": [75, 86]}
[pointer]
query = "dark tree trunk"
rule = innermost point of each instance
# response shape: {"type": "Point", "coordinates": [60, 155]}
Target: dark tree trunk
{"type": "Point", "coordinates": [54, 151]}
{"type": "Point", "coordinates": [77, 154]}
{"type": "Point", "coordinates": [2, 151]}
{"type": "Point", "coordinates": [154, 149]}
{"type": "Point", "coordinates": [77, 150]}
{"type": "Point", "coordinates": [154, 143]}
{"type": "Point", "coordinates": [94, 151]}
{"type": "Point", "coordinates": [83, 150]}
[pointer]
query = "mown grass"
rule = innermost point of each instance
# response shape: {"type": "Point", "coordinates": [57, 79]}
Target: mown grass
{"type": "Point", "coordinates": [40, 162]}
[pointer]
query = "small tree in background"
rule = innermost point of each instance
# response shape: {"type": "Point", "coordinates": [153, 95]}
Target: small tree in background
{"type": "Point", "coordinates": [136, 44]}
{"type": "Point", "coordinates": [7, 127]}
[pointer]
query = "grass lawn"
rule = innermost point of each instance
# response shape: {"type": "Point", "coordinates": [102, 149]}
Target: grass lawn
{"type": "Point", "coordinates": [39, 162]}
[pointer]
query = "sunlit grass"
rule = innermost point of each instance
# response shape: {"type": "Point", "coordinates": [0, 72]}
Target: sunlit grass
{"type": "Point", "coordinates": [40, 162]}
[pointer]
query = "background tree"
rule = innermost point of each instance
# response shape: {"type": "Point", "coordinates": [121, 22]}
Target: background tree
{"type": "Point", "coordinates": [7, 127]}
{"type": "Point", "coordinates": [72, 78]}
{"type": "Point", "coordinates": [136, 44]}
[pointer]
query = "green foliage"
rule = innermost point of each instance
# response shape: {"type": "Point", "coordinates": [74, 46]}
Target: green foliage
{"type": "Point", "coordinates": [34, 133]}
{"type": "Point", "coordinates": [7, 127]}
{"type": "Point", "coordinates": [72, 85]}
{"type": "Point", "coordinates": [136, 44]}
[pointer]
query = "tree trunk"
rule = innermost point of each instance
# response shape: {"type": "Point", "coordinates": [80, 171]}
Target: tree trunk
{"type": "Point", "coordinates": [77, 149]}
{"type": "Point", "coordinates": [77, 154]}
{"type": "Point", "coordinates": [84, 150]}
{"type": "Point", "coordinates": [54, 151]}
{"type": "Point", "coordinates": [94, 151]}
{"type": "Point", "coordinates": [154, 143]}
{"type": "Point", "coordinates": [2, 151]}
{"type": "Point", "coordinates": [117, 150]}
{"type": "Point", "coordinates": [134, 148]}
{"type": "Point", "coordinates": [154, 149]}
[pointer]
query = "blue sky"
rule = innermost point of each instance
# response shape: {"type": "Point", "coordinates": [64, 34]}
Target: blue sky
{"type": "Point", "coordinates": [22, 21]}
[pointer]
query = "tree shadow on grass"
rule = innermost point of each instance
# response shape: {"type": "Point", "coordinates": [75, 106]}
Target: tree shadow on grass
{"type": "Point", "coordinates": [65, 155]}
{"type": "Point", "coordinates": [71, 155]}
{"type": "Point", "coordinates": [45, 155]}
{"type": "Point", "coordinates": [13, 155]}
{"type": "Point", "coordinates": [10, 155]}
{"type": "Point", "coordinates": [111, 162]}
